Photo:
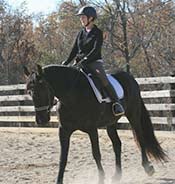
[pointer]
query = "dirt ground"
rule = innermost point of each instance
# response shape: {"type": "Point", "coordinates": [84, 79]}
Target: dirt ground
{"type": "Point", "coordinates": [31, 156]}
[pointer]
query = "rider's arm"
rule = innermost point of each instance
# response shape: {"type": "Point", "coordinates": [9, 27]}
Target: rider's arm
{"type": "Point", "coordinates": [73, 52]}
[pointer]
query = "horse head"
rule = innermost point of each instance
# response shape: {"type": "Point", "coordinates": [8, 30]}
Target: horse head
{"type": "Point", "coordinates": [41, 93]}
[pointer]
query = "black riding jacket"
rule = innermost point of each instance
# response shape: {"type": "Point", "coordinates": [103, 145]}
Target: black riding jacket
{"type": "Point", "coordinates": [87, 46]}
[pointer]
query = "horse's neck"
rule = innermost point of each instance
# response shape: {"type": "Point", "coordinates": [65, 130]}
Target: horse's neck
{"type": "Point", "coordinates": [62, 80]}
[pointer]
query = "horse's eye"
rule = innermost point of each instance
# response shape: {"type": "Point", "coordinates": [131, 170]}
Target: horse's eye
{"type": "Point", "coordinates": [30, 92]}
{"type": "Point", "coordinates": [40, 81]}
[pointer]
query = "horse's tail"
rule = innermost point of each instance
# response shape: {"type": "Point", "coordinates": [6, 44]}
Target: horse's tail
{"type": "Point", "coordinates": [152, 146]}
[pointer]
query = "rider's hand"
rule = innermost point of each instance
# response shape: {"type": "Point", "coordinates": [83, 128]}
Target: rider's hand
{"type": "Point", "coordinates": [65, 62]}
{"type": "Point", "coordinates": [75, 63]}
{"type": "Point", "coordinates": [83, 62]}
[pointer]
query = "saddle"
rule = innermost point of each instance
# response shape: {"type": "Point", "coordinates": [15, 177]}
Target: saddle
{"type": "Point", "coordinates": [98, 89]}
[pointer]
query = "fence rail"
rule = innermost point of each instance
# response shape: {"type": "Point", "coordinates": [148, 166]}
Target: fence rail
{"type": "Point", "coordinates": [23, 112]}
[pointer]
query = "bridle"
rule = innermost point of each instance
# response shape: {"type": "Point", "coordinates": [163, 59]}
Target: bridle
{"type": "Point", "coordinates": [50, 101]}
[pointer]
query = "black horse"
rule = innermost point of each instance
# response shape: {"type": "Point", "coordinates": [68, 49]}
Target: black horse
{"type": "Point", "coordinates": [80, 110]}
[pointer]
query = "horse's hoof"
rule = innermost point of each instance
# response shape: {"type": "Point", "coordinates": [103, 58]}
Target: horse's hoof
{"type": "Point", "coordinates": [116, 177]}
{"type": "Point", "coordinates": [59, 182]}
{"type": "Point", "coordinates": [101, 179]}
{"type": "Point", "coordinates": [101, 182]}
{"type": "Point", "coordinates": [149, 170]}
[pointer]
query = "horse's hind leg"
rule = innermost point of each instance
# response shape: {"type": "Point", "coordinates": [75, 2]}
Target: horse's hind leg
{"type": "Point", "coordinates": [93, 135]}
{"type": "Point", "coordinates": [112, 133]}
{"type": "Point", "coordinates": [149, 169]}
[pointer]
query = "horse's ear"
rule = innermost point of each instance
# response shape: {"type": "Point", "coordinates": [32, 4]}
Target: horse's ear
{"type": "Point", "coordinates": [26, 71]}
{"type": "Point", "coordinates": [40, 70]}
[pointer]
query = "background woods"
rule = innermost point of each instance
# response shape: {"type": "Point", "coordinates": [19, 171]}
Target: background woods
{"type": "Point", "coordinates": [139, 37]}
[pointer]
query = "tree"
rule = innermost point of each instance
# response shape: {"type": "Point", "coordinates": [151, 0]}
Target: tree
{"type": "Point", "coordinates": [135, 30]}
{"type": "Point", "coordinates": [153, 26]}
{"type": "Point", "coordinates": [16, 43]}
{"type": "Point", "coordinates": [55, 34]}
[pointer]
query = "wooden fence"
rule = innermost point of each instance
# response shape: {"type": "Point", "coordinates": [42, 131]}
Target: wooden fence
{"type": "Point", "coordinates": [16, 107]}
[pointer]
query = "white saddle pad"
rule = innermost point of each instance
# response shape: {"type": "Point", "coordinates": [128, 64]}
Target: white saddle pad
{"type": "Point", "coordinates": [116, 85]}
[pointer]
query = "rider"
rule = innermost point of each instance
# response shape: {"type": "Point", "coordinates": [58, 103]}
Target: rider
{"type": "Point", "coordinates": [87, 51]}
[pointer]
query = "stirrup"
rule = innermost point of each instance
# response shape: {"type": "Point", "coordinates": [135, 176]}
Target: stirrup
{"type": "Point", "coordinates": [113, 109]}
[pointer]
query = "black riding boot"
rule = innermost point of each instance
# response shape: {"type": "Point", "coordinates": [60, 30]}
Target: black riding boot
{"type": "Point", "coordinates": [117, 108]}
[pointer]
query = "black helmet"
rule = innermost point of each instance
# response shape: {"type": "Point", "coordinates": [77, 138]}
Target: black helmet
{"type": "Point", "coordinates": [88, 11]}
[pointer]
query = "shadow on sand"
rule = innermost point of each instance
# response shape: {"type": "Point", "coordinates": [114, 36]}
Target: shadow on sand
{"type": "Point", "coordinates": [167, 181]}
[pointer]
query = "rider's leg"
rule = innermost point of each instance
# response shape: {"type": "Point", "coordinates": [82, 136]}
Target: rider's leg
{"type": "Point", "coordinates": [97, 69]}
{"type": "Point", "coordinates": [117, 107]}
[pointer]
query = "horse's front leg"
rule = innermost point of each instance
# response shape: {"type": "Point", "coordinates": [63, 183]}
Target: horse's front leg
{"type": "Point", "coordinates": [113, 135]}
{"type": "Point", "coordinates": [64, 137]}
{"type": "Point", "coordinates": [93, 134]}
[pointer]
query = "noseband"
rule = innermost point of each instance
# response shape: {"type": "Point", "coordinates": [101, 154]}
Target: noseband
{"type": "Point", "coordinates": [43, 108]}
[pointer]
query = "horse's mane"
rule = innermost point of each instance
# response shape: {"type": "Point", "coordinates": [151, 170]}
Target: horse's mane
{"type": "Point", "coordinates": [53, 67]}
{"type": "Point", "coordinates": [62, 71]}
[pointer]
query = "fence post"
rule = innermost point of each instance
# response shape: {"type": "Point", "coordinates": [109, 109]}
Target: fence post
{"type": "Point", "coordinates": [172, 93]}
{"type": "Point", "coordinates": [21, 103]}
